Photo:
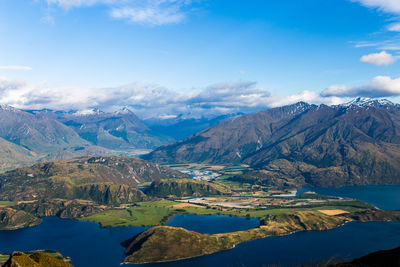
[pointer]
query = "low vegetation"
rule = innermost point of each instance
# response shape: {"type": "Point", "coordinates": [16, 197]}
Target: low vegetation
{"type": "Point", "coordinates": [36, 259]}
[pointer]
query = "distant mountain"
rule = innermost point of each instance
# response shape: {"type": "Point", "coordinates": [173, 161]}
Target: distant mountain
{"type": "Point", "coordinates": [354, 143]}
{"type": "Point", "coordinates": [13, 156]}
{"type": "Point", "coordinates": [120, 130]}
{"type": "Point", "coordinates": [180, 127]}
{"type": "Point", "coordinates": [41, 135]}
{"type": "Point", "coordinates": [29, 136]}
{"type": "Point", "coordinates": [26, 138]}
{"type": "Point", "coordinates": [103, 179]}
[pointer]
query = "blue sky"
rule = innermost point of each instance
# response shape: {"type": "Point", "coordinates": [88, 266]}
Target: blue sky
{"type": "Point", "coordinates": [196, 56]}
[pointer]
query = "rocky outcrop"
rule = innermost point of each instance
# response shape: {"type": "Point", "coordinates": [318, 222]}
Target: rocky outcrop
{"type": "Point", "coordinates": [109, 194]}
{"type": "Point", "coordinates": [61, 208]}
{"type": "Point", "coordinates": [183, 188]}
{"type": "Point", "coordinates": [374, 215]}
{"type": "Point", "coordinates": [36, 259]}
{"type": "Point", "coordinates": [11, 219]}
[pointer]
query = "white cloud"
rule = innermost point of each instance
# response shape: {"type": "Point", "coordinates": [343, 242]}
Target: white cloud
{"type": "Point", "coordinates": [380, 86]}
{"type": "Point", "coordinates": [149, 15]}
{"type": "Point", "coordinates": [151, 100]}
{"type": "Point", "coordinates": [15, 68]}
{"type": "Point", "coordinates": [6, 84]}
{"type": "Point", "coordinates": [390, 6]}
{"type": "Point", "coordinates": [148, 12]}
{"type": "Point", "coordinates": [394, 27]}
{"type": "Point", "coordinates": [305, 96]}
{"type": "Point", "coordinates": [68, 4]}
{"type": "Point", "coordinates": [379, 59]}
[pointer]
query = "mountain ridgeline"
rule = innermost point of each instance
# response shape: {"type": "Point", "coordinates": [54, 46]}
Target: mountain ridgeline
{"type": "Point", "coordinates": [352, 144]}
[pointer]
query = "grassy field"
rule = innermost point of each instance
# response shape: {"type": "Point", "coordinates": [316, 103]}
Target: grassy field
{"type": "Point", "coordinates": [144, 214]}
{"type": "Point", "coordinates": [7, 203]}
{"type": "Point", "coordinates": [152, 213]}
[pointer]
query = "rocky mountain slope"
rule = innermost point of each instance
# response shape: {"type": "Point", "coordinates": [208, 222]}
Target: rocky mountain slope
{"type": "Point", "coordinates": [356, 143]}
{"type": "Point", "coordinates": [14, 156]}
{"type": "Point", "coordinates": [103, 179]}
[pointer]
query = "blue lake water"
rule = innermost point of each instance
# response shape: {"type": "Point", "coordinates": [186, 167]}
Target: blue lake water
{"type": "Point", "coordinates": [382, 196]}
{"type": "Point", "coordinates": [89, 245]}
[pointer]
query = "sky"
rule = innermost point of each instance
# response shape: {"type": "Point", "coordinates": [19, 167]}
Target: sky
{"type": "Point", "coordinates": [161, 58]}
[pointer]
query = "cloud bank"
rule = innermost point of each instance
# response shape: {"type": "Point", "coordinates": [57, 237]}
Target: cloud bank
{"type": "Point", "coordinates": [152, 100]}
{"type": "Point", "coordinates": [379, 59]}
{"type": "Point", "coordinates": [380, 86]}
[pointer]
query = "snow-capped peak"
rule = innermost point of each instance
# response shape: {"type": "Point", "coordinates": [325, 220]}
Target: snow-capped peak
{"type": "Point", "coordinates": [124, 110]}
{"type": "Point", "coordinates": [7, 107]}
{"type": "Point", "coordinates": [368, 102]}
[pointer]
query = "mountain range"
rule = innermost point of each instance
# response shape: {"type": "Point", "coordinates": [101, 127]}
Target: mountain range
{"type": "Point", "coordinates": [29, 136]}
{"type": "Point", "coordinates": [350, 144]}
{"type": "Point", "coordinates": [120, 130]}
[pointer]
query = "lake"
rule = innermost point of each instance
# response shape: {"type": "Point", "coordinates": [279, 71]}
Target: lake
{"type": "Point", "coordinates": [89, 245]}
{"type": "Point", "coordinates": [382, 196]}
